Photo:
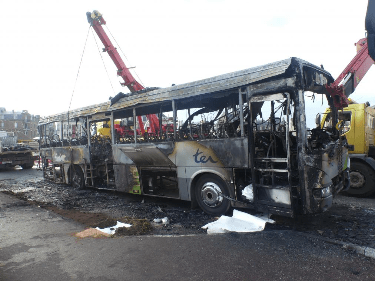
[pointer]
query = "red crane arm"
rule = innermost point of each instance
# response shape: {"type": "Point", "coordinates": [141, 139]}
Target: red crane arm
{"type": "Point", "coordinates": [349, 79]}
{"type": "Point", "coordinates": [96, 20]}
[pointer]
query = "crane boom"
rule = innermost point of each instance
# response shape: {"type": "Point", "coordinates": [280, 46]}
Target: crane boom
{"type": "Point", "coordinates": [353, 73]}
{"type": "Point", "coordinates": [96, 20]}
{"type": "Point", "coordinates": [349, 79]}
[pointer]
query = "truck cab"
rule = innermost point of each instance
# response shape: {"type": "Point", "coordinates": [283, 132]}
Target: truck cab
{"type": "Point", "coordinates": [358, 125]}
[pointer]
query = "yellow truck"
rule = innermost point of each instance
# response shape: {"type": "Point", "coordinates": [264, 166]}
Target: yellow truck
{"type": "Point", "coordinates": [358, 125]}
{"type": "Point", "coordinates": [12, 153]}
{"type": "Point", "coordinates": [357, 119]}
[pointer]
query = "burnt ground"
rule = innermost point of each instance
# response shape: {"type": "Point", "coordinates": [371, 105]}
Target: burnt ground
{"type": "Point", "coordinates": [101, 208]}
{"type": "Point", "coordinates": [349, 220]}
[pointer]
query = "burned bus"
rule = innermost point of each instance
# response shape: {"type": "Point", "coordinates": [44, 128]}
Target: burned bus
{"type": "Point", "coordinates": [234, 140]}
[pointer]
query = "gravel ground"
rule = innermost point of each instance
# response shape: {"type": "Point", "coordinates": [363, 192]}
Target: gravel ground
{"type": "Point", "coordinates": [349, 220]}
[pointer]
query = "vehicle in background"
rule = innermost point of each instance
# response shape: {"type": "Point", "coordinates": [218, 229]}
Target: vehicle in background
{"type": "Point", "coordinates": [356, 120]}
{"type": "Point", "coordinates": [13, 153]}
{"type": "Point", "coordinates": [358, 125]}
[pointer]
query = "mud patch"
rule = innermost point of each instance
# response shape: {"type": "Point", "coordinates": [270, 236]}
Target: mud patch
{"type": "Point", "coordinates": [87, 219]}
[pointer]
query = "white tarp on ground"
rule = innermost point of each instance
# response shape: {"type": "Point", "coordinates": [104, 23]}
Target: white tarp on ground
{"type": "Point", "coordinates": [239, 222]}
{"type": "Point", "coordinates": [248, 192]}
{"type": "Point", "coordinates": [112, 229]}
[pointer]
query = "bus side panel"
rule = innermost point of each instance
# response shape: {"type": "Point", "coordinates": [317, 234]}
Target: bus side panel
{"type": "Point", "coordinates": [127, 178]}
{"type": "Point", "coordinates": [46, 152]}
{"type": "Point", "coordinates": [184, 183]}
{"type": "Point", "coordinates": [66, 171]}
{"type": "Point", "coordinates": [233, 152]}
{"type": "Point", "coordinates": [74, 155]}
{"type": "Point", "coordinates": [194, 159]}
{"type": "Point", "coordinates": [211, 153]}
{"type": "Point", "coordinates": [120, 157]}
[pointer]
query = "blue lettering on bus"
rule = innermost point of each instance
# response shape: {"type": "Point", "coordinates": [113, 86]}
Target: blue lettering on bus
{"type": "Point", "coordinates": [202, 158]}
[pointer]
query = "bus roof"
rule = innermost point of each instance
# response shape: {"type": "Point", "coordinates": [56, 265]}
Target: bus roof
{"type": "Point", "coordinates": [287, 75]}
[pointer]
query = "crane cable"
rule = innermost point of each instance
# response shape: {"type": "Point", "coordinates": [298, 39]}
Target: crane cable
{"type": "Point", "coordinates": [100, 53]}
{"type": "Point", "coordinates": [138, 79]}
{"type": "Point", "coordinates": [75, 83]}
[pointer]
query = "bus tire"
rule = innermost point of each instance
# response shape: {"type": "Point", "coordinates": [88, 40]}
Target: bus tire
{"type": "Point", "coordinates": [208, 192]}
{"type": "Point", "coordinates": [362, 180]}
{"type": "Point", "coordinates": [77, 179]}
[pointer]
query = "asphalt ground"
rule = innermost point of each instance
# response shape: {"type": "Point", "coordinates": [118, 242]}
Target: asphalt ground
{"type": "Point", "coordinates": [39, 244]}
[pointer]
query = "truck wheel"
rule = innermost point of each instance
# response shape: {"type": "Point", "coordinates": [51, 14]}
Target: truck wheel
{"type": "Point", "coordinates": [362, 180]}
{"type": "Point", "coordinates": [27, 166]}
{"type": "Point", "coordinates": [77, 179]}
{"type": "Point", "coordinates": [209, 190]}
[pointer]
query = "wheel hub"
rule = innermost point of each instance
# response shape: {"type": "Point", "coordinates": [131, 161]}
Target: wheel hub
{"type": "Point", "coordinates": [76, 180]}
{"type": "Point", "coordinates": [357, 180]}
{"type": "Point", "coordinates": [211, 194]}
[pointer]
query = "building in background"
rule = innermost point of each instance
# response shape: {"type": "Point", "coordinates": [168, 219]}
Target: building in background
{"type": "Point", "coordinates": [23, 124]}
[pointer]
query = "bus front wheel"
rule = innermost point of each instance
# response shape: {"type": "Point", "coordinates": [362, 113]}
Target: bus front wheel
{"type": "Point", "coordinates": [209, 193]}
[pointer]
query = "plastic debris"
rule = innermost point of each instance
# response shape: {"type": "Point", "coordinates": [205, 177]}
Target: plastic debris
{"type": "Point", "coordinates": [112, 229]}
{"type": "Point", "coordinates": [164, 220]}
{"type": "Point", "coordinates": [239, 222]}
{"type": "Point", "coordinates": [248, 193]}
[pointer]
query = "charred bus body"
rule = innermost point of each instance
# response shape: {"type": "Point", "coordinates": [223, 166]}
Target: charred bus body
{"type": "Point", "coordinates": [238, 139]}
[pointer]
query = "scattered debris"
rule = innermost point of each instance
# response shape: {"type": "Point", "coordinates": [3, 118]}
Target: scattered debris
{"type": "Point", "coordinates": [26, 189]}
{"type": "Point", "coordinates": [112, 229]}
{"type": "Point", "coordinates": [164, 220]}
{"type": "Point", "coordinates": [96, 208]}
{"type": "Point", "coordinates": [239, 222]}
{"type": "Point", "coordinates": [248, 193]}
{"type": "Point", "coordinates": [139, 227]}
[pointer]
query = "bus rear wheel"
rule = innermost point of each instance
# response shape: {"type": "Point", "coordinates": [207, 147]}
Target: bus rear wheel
{"type": "Point", "coordinates": [362, 180]}
{"type": "Point", "coordinates": [77, 179]}
{"type": "Point", "coordinates": [209, 193]}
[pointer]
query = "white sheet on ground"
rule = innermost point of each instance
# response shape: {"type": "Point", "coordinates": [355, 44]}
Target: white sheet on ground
{"type": "Point", "coordinates": [239, 222]}
{"type": "Point", "coordinates": [112, 229]}
{"type": "Point", "coordinates": [248, 192]}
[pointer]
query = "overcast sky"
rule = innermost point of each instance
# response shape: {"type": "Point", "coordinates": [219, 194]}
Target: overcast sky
{"type": "Point", "coordinates": [169, 42]}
